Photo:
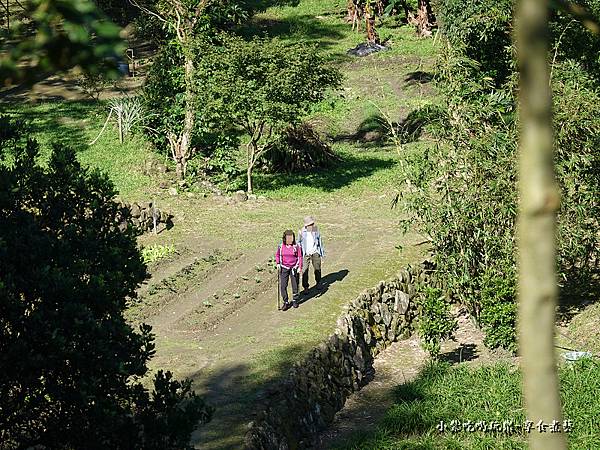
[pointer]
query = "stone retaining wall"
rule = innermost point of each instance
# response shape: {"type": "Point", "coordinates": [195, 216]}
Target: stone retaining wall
{"type": "Point", "coordinates": [141, 216]}
{"type": "Point", "coordinates": [306, 401]}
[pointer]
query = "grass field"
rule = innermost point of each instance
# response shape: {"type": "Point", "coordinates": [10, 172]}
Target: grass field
{"type": "Point", "coordinates": [443, 394]}
{"type": "Point", "coordinates": [77, 124]}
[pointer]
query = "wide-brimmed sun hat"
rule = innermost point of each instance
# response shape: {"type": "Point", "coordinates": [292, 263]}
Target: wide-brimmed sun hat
{"type": "Point", "coordinates": [309, 220]}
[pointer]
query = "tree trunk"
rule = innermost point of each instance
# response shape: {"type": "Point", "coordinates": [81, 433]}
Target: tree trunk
{"type": "Point", "coordinates": [120, 122]}
{"type": "Point", "coordinates": [539, 202]}
{"type": "Point", "coordinates": [249, 179]}
{"type": "Point", "coordinates": [179, 169]}
{"type": "Point", "coordinates": [251, 153]}
{"type": "Point", "coordinates": [372, 36]}
{"type": "Point", "coordinates": [350, 8]}
{"type": "Point", "coordinates": [175, 144]}
{"type": "Point", "coordinates": [354, 14]}
{"type": "Point", "coordinates": [424, 19]}
{"type": "Point", "coordinates": [188, 122]}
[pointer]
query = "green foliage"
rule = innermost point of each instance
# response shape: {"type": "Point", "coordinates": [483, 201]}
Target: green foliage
{"type": "Point", "coordinates": [69, 362]}
{"type": "Point", "coordinates": [435, 321]}
{"type": "Point", "coordinates": [577, 135]}
{"type": "Point", "coordinates": [466, 205]}
{"type": "Point", "coordinates": [263, 85]}
{"type": "Point", "coordinates": [571, 40]}
{"type": "Point", "coordinates": [92, 84]}
{"type": "Point", "coordinates": [480, 31]}
{"type": "Point", "coordinates": [164, 97]}
{"type": "Point", "coordinates": [12, 130]}
{"type": "Point", "coordinates": [66, 33]}
{"type": "Point", "coordinates": [464, 190]}
{"type": "Point", "coordinates": [218, 15]}
{"type": "Point", "coordinates": [170, 415]}
{"type": "Point", "coordinates": [157, 252]}
{"type": "Point", "coordinates": [163, 94]}
{"type": "Point", "coordinates": [129, 114]}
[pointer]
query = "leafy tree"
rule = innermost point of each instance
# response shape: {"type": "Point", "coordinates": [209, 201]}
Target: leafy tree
{"type": "Point", "coordinates": [57, 35]}
{"type": "Point", "coordinates": [69, 362]}
{"type": "Point", "coordinates": [435, 321]}
{"type": "Point", "coordinates": [164, 96]}
{"type": "Point", "coordinates": [262, 87]}
{"type": "Point", "coordinates": [185, 20]}
{"type": "Point", "coordinates": [171, 89]}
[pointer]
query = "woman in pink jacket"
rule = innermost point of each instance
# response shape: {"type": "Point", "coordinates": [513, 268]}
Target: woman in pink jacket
{"type": "Point", "coordinates": [289, 264]}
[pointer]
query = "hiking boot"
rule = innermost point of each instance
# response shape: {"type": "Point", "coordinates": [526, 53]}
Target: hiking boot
{"type": "Point", "coordinates": [295, 304]}
{"type": "Point", "coordinates": [285, 306]}
{"type": "Point", "coordinates": [304, 292]}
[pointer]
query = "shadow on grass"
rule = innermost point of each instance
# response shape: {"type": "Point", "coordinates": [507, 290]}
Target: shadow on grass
{"type": "Point", "coordinates": [350, 169]}
{"type": "Point", "coordinates": [377, 130]}
{"type": "Point", "coordinates": [55, 122]}
{"type": "Point", "coordinates": [323, 287]}
{"type": "Point", "coordinates": [465, 352]}
{"type": "Point", "coordinates": [582, 290]}
{"type": "Point", "coordinates": [440, 395]}
{"type": "Point", "coordinates": [238, 392]}
{"type": "Point", "coordinates": [303, 27]}
{"type": "Point", "coordinates": [418, 77]}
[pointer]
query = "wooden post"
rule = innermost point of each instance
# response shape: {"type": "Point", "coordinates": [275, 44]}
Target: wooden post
{"type": "Point", "coordinates": [119, 112]}
{"type": "Point", "coordinates": [154, 218]}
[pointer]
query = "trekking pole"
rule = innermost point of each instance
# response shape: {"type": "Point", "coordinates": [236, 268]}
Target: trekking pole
{"type": "Point", "coordinates": [278, 293]}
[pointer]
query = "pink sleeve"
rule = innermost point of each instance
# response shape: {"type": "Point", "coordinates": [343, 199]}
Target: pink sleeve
{"type": "Point", "coordinates": [278, 255]}
{"type": "Point", "coordinates": [300, 259]}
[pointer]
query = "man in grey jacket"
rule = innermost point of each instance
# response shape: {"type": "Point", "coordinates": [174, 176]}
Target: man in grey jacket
{"type": "Point", "coordinates": [313, 251]}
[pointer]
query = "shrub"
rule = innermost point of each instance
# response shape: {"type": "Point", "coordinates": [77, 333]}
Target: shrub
{"type": "Point", "coordinates": [69, 362]}
{"type": "Point", "coordinates": [156, 252]}
{"type": "Point", "coordinates": [571, 40]}
{"type": "Point", "coordinates": [435, 322]}
{"type": "Point", "coordinates": [163, 96]}
{"type": "Point", "coordinates": [262, 87]}
{"type": "Point", "coordinates": [465, 189]}
{"type": "Point", "coordinates": [480, 31]}
{"type": "Point", "coordinates": [92, 84]}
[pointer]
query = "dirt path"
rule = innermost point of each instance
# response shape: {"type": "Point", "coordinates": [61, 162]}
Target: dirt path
{"type": "Point", "coordinates": [398, 364]}
{"type": "Point", "coordinates": [253, 328]}
{"type": "Point", "coordinates": [221, 327]}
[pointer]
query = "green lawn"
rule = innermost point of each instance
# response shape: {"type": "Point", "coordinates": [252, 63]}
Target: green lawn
{"type": "Point", "coordinates": [443, 393]}
{"type": "Point", "coordinates": [77, 124]}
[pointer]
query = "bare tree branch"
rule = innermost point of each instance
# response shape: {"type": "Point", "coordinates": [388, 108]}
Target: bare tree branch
{"type": "Point", "coordinates": [145, 10]}
{"type": "Point", "coordinates": [581, 13]}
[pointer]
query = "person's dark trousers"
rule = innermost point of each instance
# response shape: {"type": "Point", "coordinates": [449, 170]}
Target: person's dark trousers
{"type": "Point", "coordinates": [283, 284]}
{"type": "Point", "coordinates": [315, 261]}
